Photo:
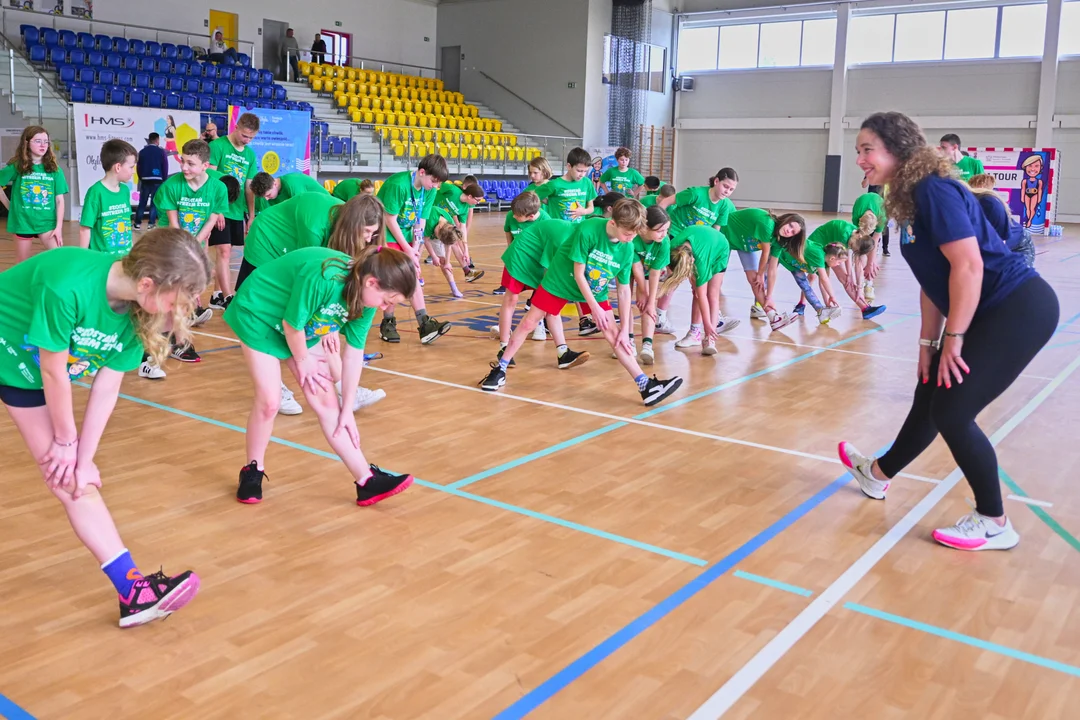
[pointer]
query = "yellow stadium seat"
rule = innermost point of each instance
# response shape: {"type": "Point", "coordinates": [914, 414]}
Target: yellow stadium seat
{"type": "Point", "coordinates": [470, 124]}
{"type": "Point", "coordinates": [305, 68]}
{"type": "Point", "coordinates": [429, 136]}
{"type": "Point", "coordinates": [397, 106]}
{"type": "Point", "coordinates": [317, 70]}
{"type": "Point", "coordinates": [354, 101]}
{"type": "Point", "coordinates": [384, 91]}
{"type": "Point", "coordinates": [407, 107]}
{"type": "Point", "coordinates": [354, 115]}
{"type": "Point", "coordinates": [395, 93]}
{"type": "Point", "coordinates": [425, 96]}
{"type": "Point", "coordinates": [378, 185]}
{"type": "Point", "coordinates": [442, 121]}
{"type": "Point", "coordinates": [316, 84]}
{"type": "Point", "coordinates": [342, 100]}
{"type": "Point", "coordinates": [352, 74]}
{"type": "Point", "coordinates": [369, 117]}
{"type": "Point", "coordinates": [380, 118]}
{"type": "Point", "coordinates": [365, 103]}
{"type": "Point", "coordinates": [395, 134]}
{"type": "Point", "coordinates": [383, 79]}
{"type": "Point", "coordinates": [452, 123]}
{"type": "Point", "coordinates": [422, 120]}
{"type": "Point", "coordinates": [329, 185]}
{"type": "Point", "coordinates": [383, 133]}
{"type": "Point", "coordinates": [391, 119]}
{"type": "Point", "coordinates": [399, 150]}
{"type": "Point", "coordinates": [402, 118]}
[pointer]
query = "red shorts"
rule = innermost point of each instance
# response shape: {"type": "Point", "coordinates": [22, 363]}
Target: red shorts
{"type": "Point", "coordinates": [513, 286]}
{"type": "Point", "coordinates": [553, 305]}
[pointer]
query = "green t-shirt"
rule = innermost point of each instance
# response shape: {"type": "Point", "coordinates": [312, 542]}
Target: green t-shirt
{"type": "Point", "coordinates": [241, 164]}
{"type": "Point", "coordinates": [33, 198]}
{"type": "Point", "coordinates": [649, 200]}
{"type": "Point", "coordinates": [530, 254]}
{"type": "Point", "coordinates": [292, 184]}
{"type": "Point", "coordinates": [870, 202]}
{"type": "Point", "coordinates": [711, 251]}
{"type": "Point", "coordinates": [56, 301]}
{"type": "Point", "coordinates": [603, 258]}
{"type": "Point", "coordinates": [437, 214]}
{"type": "Point", "coordinates": [622, 181]}
{"type": "Point", "coordinates": [514, 227]}
{"type": "Point", "coordinates": [193, 206]}
{"type": "Point", "coordinates": [347, 189]}
{"type": "Point", "coordinates": [834, 231]}
{"type": "Point", "coordinates": [654, 255]}
{"type": "Point", "coordinates": [449, 199]}
{"type": "Point", "coordinates": [969, 167]}
{"type": "Point", "coordinates": [747, 229]}
{"type": "Point", "coordinates": [400, 197]}
{"type": "Point", "coordinates": [296, 288]}
{"type": "Point", "coordinates": [814, 254]}
{"type": "Point", "coordinates": [563, 196]}
{"type": "Point", "coordinates": [693, 206]}
{"type": "Point", "coordinates": [108, 215]}
{"type": "Point", "coordinates": [657, 190]}
{"type": "Point", "coordinates": [303, 221]}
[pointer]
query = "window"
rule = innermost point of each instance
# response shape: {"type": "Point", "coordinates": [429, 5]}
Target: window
{"type": "Point", "coordinates": [919, 36]}
{"type": "Point", "coordinates": [633, 64]}
{"type": "Point", "coordinates": [1023, 30]}
{"type": "Point", "coordinates": [870, 39]}
{"type": "Point", "coordinates": [780, 44]}
{"type": "Point", "coordinates": [1070, 29]}
{"type": "Point", "coordinates": [971, 34]}
{"type": "Point", "coordinates": [738, 47]}
{"type": "Point", "coordinates": [819, 42]}
{"type": "Point", "coordinates": [697, 49]}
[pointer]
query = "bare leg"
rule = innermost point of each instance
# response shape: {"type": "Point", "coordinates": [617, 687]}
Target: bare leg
{"type": "Point", "coordinates": [265, 373]}
{"type": "Point", "coordinates": [222, 258]}
{"type": "Point", "coordinates": [554, 326]}
{"type": "Point", "coordinates": [22, 252]}
{"type": "Point", "coordinates": [522, 332]}
{"type": "Point", "coordinates": [49, 241]}
{"type": "Point", "coordinates": [506, 316]}
{"type": "Point", "coordinates": [627, 360]}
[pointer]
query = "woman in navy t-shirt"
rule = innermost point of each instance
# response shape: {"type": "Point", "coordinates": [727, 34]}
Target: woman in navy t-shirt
{"type": "Point", "coordinates": [985, 315]}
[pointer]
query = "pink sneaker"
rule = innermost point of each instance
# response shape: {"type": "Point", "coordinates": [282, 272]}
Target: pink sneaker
{"type": "Point", "coordinates": [156, 597]}
{"type": "Point", "coordinates": [978, 532]}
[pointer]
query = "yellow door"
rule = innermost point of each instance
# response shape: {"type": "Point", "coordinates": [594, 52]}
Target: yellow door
{"type": "Point", "coordinates": [228, 24]}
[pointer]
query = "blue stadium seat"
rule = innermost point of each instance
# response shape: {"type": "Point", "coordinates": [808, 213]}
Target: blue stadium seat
{"type": "Point", "coordinates": [252, 92]}
{"type": "Point", "coordinates": [95, 58]}
{"type": "Point", "coordinates": [184, 52]}
{"type": "Point", "coordinates": [55, 56]}
{"type": "Point", "coordinates": [155, 99]}
{"type": "Point", "coordinates": [137, 98]}
{"type": "Point", "coordinates": [221, 105]}
{"type": "Point", "coordinates": [168, 51]}
{"type": "Point", "coordinates": [117, 97]}
{"type": "Point", "coordinates": [291, 105]}
{"type": "Point", "coordinates": [124, 78]}
{"type": "Point", "coordinates": [68, 39]}
{"type": "Point", "coordinates": [31, 35]}
{"type": "Point", "coordinates": [76, 56]}
{"type": "Point", "coordinates": [130, 62]}
{"type": "Point", "coordinates": [78, 94]}
{"type": "Point", "coordinates": [49, 37]}
{"type": "Point", "coordinates": [153, 49]}
{"type": "Point", "coordinates": [194, 70]}
{"type": "Point", "coordinates": [114, 61]}
{"type": "Point", "coordinates": [192, 85]}
{"type": "Point", "coordinates": [138, 47]}
{"type": "Point", "coordinates": [228, 60]}
{"type": "Point", "coordinates": [206, 103]}
{"type": "Point", "coordinates": [224, 87]}
{"type": "Point", "coordinates": [266, 92]}
{"type": "Point", "coordinates": [180, 67]}
{"type": "Point", "coordinates": [226, 73]}
{"type": "Point", "coordinates": [147, 65]}
{"type": "Point", "coordinates": [280, 94]}
{"type": "Point", "coordinates": [209, 71]}
{"type": "Point", "coordinates": [206, 87]}
{"type": "Point", "coordinates": [104, 43]}
{"type": "Point", "coordinates": [266, 77]}
{"type": "Point", "coordinates": [106, 77]}
{"type": "Point", "coordinates": [86, 75]}
{"type": "Point", "coordinates": [188, 102]}
{"type": "Point", "coordinates": [158, 82]}
{"type": "Point", "coordinates": [176, 84]}
{"type": "Point", "coordinates": [97, 94]}
{"type": "Point", "coordinates": [172, 101]}
{"type": "Point", "coordinates": [244, 59]}
{"type": "Point", "coordinates": [87, 42]}
{"type": "Point", "coordinates": [142, 80]}
{"type": "Point", "coordinates": [165, 66]}
{"type": "Point", "coordinates": [121, 45]}
{"type": "Point", "coordinates": [66, 74]}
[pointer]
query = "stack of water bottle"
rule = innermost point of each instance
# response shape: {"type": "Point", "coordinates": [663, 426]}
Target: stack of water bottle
{"type": "Point", "coordinates": [1054, 230]}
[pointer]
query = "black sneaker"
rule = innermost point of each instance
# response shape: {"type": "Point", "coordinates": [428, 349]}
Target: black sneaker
{"type": "Point", "coordinates": [886, 253]}
{"type": "Point", "coordinates": [587, 327]}
{"type": "Point", "coordinates": [217, 301]}
{"type": "Point", "coordinates": [656, 390]}
{"type": "Point", "coordinates": [157, 596]}
{"type": "Point", "coordinates": [380, 486]}
{"type": "Point", "coordinates": [388, 330]}
{"type": "Point", "coordinates": [800, 309]}
{"type": "Point", "coordinates": [495, 379]}
{"type": "Point", "coordinates": [571, 359]}
{"type": "Point", "coordinates": [185, 354]}
{"type": "Point", "coordinates": [513, 361]}
{"type": "Point", "coordinates": [201, 316]}
{"type": "Point", "coordinates": [251, 479]}
{"type": "Point", "coordinates": [431, 330]}
{"type": "Point", "coordinates": [499, 291]}
{"type": "Point", "coordinates": [228, 301]}
{"type": "Point", "coordinates": [872, 311]}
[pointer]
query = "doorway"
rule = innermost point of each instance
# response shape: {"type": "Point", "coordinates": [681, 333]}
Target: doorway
{"type": "Point", "coordinates": [338, 46]}
{"type": "Point", "coordinates": [229, 25]}
{"type": "Point", "coordinates": [450, 63]}
{"type": "Point", "coordinates": [273, 56]}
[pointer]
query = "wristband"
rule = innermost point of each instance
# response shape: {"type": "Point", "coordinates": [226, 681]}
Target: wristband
{"type": "Point", "coordinates": [70, 444]}
{"type": "Point", "coordinates": [955, 335]}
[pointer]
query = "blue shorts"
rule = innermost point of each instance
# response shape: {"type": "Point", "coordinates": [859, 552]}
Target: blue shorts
{"type": "Point", "coordinates": [21, 397]}
{"type": "Point", "coordinates": [750, 260]}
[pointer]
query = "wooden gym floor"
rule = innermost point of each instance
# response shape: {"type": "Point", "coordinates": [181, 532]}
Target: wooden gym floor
{"type": "Point", "coordinates": [565, 554]}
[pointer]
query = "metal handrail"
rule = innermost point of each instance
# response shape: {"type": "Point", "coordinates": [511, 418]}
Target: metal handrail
{"type": "Point", "coordinates": [91, 22]}
{"type": "Point", "coordinates": [365, 64]}
{"type": "Point", "coordinates": [481, 72]}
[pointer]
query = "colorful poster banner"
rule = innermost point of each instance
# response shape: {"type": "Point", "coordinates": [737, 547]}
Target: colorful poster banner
{"type": "Point", "coordinates": [1026, 181]}
{"type": "Point", "coordinates": [94, 124]}
{"type": "Point", "coordinates": [283, 144]}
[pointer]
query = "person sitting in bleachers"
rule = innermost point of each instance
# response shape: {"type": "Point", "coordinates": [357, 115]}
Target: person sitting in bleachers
{"type": "Point", "coordinates": [219, 50]}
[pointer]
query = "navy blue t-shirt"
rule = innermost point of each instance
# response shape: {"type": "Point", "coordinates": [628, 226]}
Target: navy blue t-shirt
{"type": "Point", "coordinates": [998, 215]}
{"type": "Point", "coordinates": [946, 211]}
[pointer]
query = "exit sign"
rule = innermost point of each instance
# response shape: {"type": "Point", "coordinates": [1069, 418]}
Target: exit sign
{"type": "Point", "coordinates": [337, 23]}
{"type": "Point", "coordinates": [571, 85]}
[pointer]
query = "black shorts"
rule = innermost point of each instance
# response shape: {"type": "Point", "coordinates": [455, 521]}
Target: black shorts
{"type": "Point", "coordinates": [26, 237]}
{"type": "Point", "coordinates": [246, 269]}
{"type": "Point", "coordinates": [21, 397]}
{"type": "Point", "coordinates": [233, 234]}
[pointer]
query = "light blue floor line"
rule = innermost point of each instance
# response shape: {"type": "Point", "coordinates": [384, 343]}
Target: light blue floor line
{"type": "Point", "coordinates": [795, 589]}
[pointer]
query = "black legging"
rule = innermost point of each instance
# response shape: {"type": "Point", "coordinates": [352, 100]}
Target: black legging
{"type": "Point", "coordinates": [998, 345]}
{"type": "Point", "coordinates": [885, 239]}
{"type": "Point", "coordinates": [246, 269]}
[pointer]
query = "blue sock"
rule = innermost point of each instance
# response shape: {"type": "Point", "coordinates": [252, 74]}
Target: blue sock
{"type": "Point", "coordinates": [504, 362]}
{"type": "Point", "coordinates": [641, 381]}
{"type": "Point", "coordinates": [122, 573]}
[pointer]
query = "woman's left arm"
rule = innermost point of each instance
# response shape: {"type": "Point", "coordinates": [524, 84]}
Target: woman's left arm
{"type": "Point", "coordinates": [965, 289]}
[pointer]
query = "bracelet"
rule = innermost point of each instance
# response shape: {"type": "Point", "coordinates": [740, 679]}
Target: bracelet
{"type": "Point", "coordinates": [936, 344]}
{"type": "Point", "coordinates": [955, 335]}
{"type": "Point", "coordinates": [70, 444]}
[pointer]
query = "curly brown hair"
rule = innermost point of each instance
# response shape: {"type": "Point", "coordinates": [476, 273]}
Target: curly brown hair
{"type": "Point", "coordinates": [914, 158]}
{"type": "Point", "coordinates": [24, 159]}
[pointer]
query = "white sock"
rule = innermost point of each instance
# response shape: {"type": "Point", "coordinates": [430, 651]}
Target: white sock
{"type": "Point", "coordinates": [697, 328]}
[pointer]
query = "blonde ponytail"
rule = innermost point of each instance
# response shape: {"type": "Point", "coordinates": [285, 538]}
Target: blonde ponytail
{"type": "Point", "coordinates": [681, 267]}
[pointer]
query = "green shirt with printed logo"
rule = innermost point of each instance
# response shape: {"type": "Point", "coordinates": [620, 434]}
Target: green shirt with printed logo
{"type": "Point", "coordinates": [529, 255]}
{"type": "Point", "coordinates": [747, 229]}
{"type": "Point", "coordinates": [33, 198]}
{"type": "Point", "coordinates": [653, 255]}
{"type": "Point", "coordinates": [303, 221]}
{"type": "Point", "coordinates": [241, 164]}
{"type": "Point", "coordinates": [193, 206]}
{"type": "Point", "coordinates": [514, 227]}
{"type": "Point", "coordinates": [622, 181]}
{"type": "Point", "coordinates": [711, 251]}
{"type": "Point", "coordinates": [694, 206]}
{"type": "Point", "coordinates": [563, 196]}
{"type": "Point", "coordinates": [400, 197]}
{"type": "Point", "coordinates": [603, 258]}
{"type": "Point", "coordinates": [108, 215]}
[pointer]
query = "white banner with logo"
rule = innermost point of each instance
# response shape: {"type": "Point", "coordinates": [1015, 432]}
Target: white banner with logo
{"type": "Point", "coordinates": [94, 124]}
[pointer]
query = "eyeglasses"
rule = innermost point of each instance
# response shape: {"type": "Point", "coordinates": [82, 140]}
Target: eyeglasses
{"type": "Point", "coordinates": [39, 142]}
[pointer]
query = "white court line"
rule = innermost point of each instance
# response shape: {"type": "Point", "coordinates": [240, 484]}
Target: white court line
{"type": "Point", "coordinates": [216, 337]}
{"type": "Point", "coordinates": [741, 682]}
{"type": "Point", "coordinates": [1030, 501]}
{"type": "Point", "coordinates": [633, 421]}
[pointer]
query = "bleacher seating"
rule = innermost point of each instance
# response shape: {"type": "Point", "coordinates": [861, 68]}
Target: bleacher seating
{"type": "Point", "coordinates": [498, 192]}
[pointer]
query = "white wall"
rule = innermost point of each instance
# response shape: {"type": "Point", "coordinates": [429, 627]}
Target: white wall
{"type": "Point", "coordinates": [658, 111]}
{"type": "Point", "coordinates": [391, 30]}
{"type": "Point", "coordinates": [597, 95]}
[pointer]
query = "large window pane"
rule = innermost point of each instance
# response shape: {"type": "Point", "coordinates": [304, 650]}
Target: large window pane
{"type": "Point", "coordinates": [780, 44]}
{"type": "Point", "coordinates": [697, 49]}
{"type": "Point", "coordinates": [738, 47]}
{"type": "Point", "coordinates": [970, 34]}
{"type": "Point", "coordinates": [1023, 28]}
{"type": "Point", "coordinates": [919, 36]}
{"type": "Point", "coordinates": [819, 42]}
{"type": "Point", "coordinates": [1070, 29]}
{"type": "Point", "coordinates": [870, 39]}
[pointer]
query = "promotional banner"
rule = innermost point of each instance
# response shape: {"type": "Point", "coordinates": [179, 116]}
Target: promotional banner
{"type": "Point", "coordinates": [1026, 181]}
{"type": "Point", "coordinates": [94, 124]}
{"type": "Point", "coordinates": [603, 159]}
{"type": "Point", "coordinates": [283, 144]}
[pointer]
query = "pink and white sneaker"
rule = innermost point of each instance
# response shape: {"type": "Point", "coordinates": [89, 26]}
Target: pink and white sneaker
{"type": "Point", "coordinates": [978, 532]}
{"type": "Point", "coordinates": [860, 468]}
{"type": "Point", "coordinates": [782, 320]}
{"type": "Point", "coordinates": [157, 596]}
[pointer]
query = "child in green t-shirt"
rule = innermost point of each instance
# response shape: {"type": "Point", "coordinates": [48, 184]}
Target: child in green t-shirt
{"type": "Point", "coordinates": [623, 178]}
{"type": "Point", "coordinates": [232, 155]}
{"type": "Point", "coordinates": [349, 188]}
{"type": "Point", "coordinates": [868, 213]}
{"type": "Point", "coordinates": [653, 250]}
{"type": "Point", "coordinates": [105, 224]}
{"type": "Point", "coordinates": [598, 251]}
{"type": "Point", "coordinates": [297, 309]}
{"type": "Point", "coordinates": [700, 254]}
{"type": "Point", "coordinates": [966, 165]}
{"type": "Point", "coordinates": [269, 190]}
{"type": "Point", "coordinates": [36, 206]}
{"type": "Point", "coordinates": [570, 197]}
{"type": "Point", "coordinates": [663, 198]}
{"type": "Point", "coordinates": [457, 203]}
{"type": "Point", "coordinates": [73, 314]}
{"type": "Point", "coordinates": [524, 211]}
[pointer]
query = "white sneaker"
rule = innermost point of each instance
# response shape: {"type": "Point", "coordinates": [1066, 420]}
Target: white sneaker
{"type": "Point", "coordinates": [783, 320]}
{"type": "Point", "coordinates": [708, 347]}
{"type": "Point", "coordinates": [691, 339]}
{"type": "Point", "coordinates": [366, 398]}
{"type": "Point", "coordinates": [978, 532]}
{"type": "Point", "coordinates": [633, 344]}
{"type": "Point", "coordinates": [540, 333]}
{"type": "Point", "coordinates": [288, 406]}
{"type": "Point", "coordinates": [494, 332]}
{"type": "Point", "coordinates": [151, 372]}
{"type": "Point", "coordinates": [828, 313]}
{"type": "Point", "coordinates": [646, 356]}
{"type": "Point", "coordinates": [727, 324]}
{"type": "Point", "coordinates": [868, 290]}
{"type": "Point", "coordinates": [758, 313]}
{"type": "Point", "coordinates": [663, 326]}
{"type": "Point", "coordinates": [201, 318]}
{"type": "Point", "coordinates": [860, 467]}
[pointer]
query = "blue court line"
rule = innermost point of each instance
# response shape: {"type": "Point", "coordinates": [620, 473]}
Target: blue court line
{"type": "Point", "coordinates": [1069, 258]}
{"type": "Point", "coordinates": [220, 349]}
{"type": "Point", "coordinates": [966, 639]}
{"type": "Point", "coordinates": [549, 688]}
{"type": "Point", "coordinates": [595, 532]}
{"type": "Point", "coordinates": [615, 426]}
{"type": "Point", "coordinates": [1061, 345]}
{"type": "Point", "coordinates": [773, 583]}
{"type": "Point", "coordinates": [11, 711]}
